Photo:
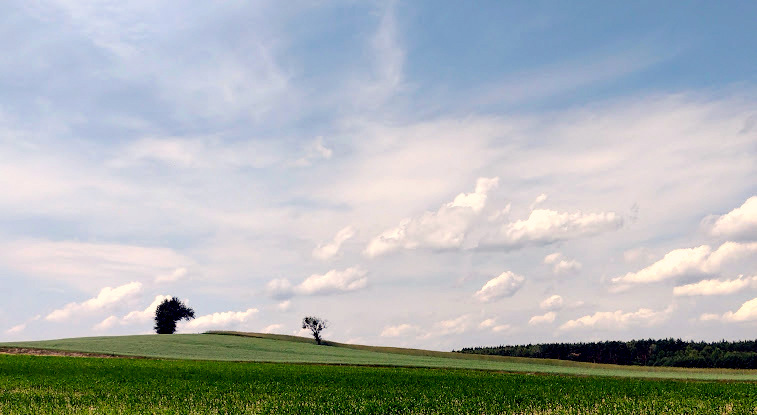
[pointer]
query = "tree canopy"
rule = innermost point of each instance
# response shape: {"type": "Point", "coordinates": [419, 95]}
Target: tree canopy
{"type": "Point", "coordinates": [663, 352]}
{"type": "Point", "coordinates": [315, 325]}
{"type": "Point", "coordinates": [168, 313]}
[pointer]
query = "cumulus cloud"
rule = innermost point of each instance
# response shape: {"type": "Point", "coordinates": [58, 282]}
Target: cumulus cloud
{"type": "Point", "coordinates": [273, 328]}
{"type": "Point", "coordinates": [331, 249]}
{"type": "Point", "coordinates": [504, 285]}
{"type": "Point", "coordinates": [552, 303]}
{"type": "Point", "coordinates": [501, 328]}
{"type": "Point", "coordinates": [220, 320]}
{"type": "Point", "coordinates": [545, 226]}
{"type": "Point", "coordinates": [715, 287]}
{"type": "Point", "coordinates": [399, 330]}
{"type": "Point", "coordinates": [546, 318]}
{"type": "Point", "coordinates": [107, 297]}
{"type": "Point", "coordinates": [738, 223]}
{"type": "Point", "coordinates": [146, 315]}
{"type": "Point", "coordinates": [456, 325]}
{"type": "Point", "coordinates": [689, 261]}
{"type": "Point", "coordinates": [747, 312]}
{"type": "Point", "coordinates": [444, 229]}
{"type": "Point", "coordinates": [106, 324]}
{"type": "Point", "coordinates": [617, 320]}
{"type": "Point", "coordinates": [332, 282]}
{"type": "Point", "coordinates": [279, 288]}
{"type": "Point", "coordinates": [284, 305]}
{"type": "Point", "coordinates": [562, 265]}
{"type": "Point", "coordinates": [539, 200]}
{"type": "Point", "coordinates": [489, 322]}
{"type": "Point", "coordinates": [176, 275]}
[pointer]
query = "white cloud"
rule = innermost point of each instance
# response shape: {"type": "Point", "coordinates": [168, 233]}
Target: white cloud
{"type": "Point", "coordinates": [738, 223]}
{"type": "Point", "coordinates": [107, 297]}
{"type": "Point", "coordinates": [16, 329]}
{"type": "Point", "coordinates": [501, 214]}
{"type": "Point", "coordinates": [176, 275]}
{"type": "Point", "coordinates": [284, 305]}
{"type": "Point", "coordinates": [351, 279]}
{"type": "Point", "coordinates": [562, 265]}
{"type": "Point", "coordinates": [715, 287]}
{"type": "Point", "coordinates": [452, 326]}
{"type": "Point", "coordinates": [618, 320]}
{"type": "Point", "coordinates": [689, 261]}
{"type": "Point", "coordinates": [444, 229]}
{"type": "Point", "coordinates": [546, 318]}
{"type": "Point", "coordinates": [279, 288]}
{"type": "Point", "coordinates": [274, 328]}
{"type": "Point", "coordinates": [504, 285]}
{"type": "Point", "coordinates": [545, 226]}
{"type": "Point", "coordinates": [489, 322]}
{"type": "Point", "coordinates": [709, 317]}
{"type": "Point", "coordinates": [501, 328]}
{"type": "Point", "coordinates": [146, 315]}
{"type": "Point", "coordinates": [747, 312]}
{"type": "Point", "coordinates": [399, 330]}
{"type": "Point", "coordinates": [539, 200]}
{"type": "Point", "coordinates": [220, 320]}
{"type": "Point", "coordinates": [552, 303]}
{"type": "Point", "coordinates": [106, 324]}
{"type": "Point", "coordinates": [332, 282]}
{"type": "Point", "coordinates": [331, 249]}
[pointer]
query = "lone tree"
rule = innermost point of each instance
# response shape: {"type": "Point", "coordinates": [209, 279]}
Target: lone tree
{"type": "Point", "coordinates": [315, 325]}
{"type": "Point", "coordinates": [168, 313]}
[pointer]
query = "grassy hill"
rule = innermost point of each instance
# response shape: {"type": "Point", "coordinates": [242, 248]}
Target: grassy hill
{"type": "Point", "coordinates": [256, 347]}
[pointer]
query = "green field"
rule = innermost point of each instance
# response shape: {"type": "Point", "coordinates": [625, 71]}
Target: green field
{"type": "Point", "coordinates": [70, 385]}
{"type": "Point", "coordinates": [289, 349]}
{"type": "Point", "coordinates": [228, 374]}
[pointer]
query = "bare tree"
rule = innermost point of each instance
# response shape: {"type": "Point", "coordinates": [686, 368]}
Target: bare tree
{"type": "Point", "coordinates": [315, 325]}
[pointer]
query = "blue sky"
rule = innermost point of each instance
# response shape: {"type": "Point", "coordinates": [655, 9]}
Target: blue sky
{"type": "Point", "coordinates": [426, 174]}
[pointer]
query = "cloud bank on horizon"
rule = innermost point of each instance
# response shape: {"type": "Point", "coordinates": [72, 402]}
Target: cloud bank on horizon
{"type": "Point", "coordinates": [420, 174]}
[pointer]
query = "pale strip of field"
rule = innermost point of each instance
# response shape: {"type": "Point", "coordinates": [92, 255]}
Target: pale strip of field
{"type": "Point", "coordinates": [254, 347]}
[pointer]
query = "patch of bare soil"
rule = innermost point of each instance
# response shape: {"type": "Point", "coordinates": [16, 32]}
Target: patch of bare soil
{"type": "Point", "coordinates": [48, 352]}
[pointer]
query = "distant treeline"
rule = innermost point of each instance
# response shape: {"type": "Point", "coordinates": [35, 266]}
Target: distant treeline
{"type": "Point", "coordinates": [665, 352]}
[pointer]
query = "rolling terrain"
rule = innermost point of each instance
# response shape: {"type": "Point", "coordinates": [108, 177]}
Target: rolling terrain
{"type": "Point", "coordinates": [230, 373]}
{"type": "Point", "coordinates": [272, 348]}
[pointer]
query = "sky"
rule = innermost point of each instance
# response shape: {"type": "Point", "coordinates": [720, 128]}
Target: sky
{"type": "Point", "coordinates": [420, 174]}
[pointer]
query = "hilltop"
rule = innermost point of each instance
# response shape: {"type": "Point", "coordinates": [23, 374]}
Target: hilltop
{"type": "Point", "coordinates": [275, 348]}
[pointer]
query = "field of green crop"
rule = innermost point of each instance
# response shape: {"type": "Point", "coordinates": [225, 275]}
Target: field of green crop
{"type": "Point", "coordinates": [71, 385]}
{"type": "Point", "coordinates": [288, 349]}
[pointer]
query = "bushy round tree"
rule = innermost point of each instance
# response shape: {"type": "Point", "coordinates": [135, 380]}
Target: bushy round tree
{"type": "Point", "coordinates": [168, 313]}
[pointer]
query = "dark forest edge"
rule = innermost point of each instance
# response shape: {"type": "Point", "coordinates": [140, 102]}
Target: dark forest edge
{"type": "Point", "coordinates": [665, 352]}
